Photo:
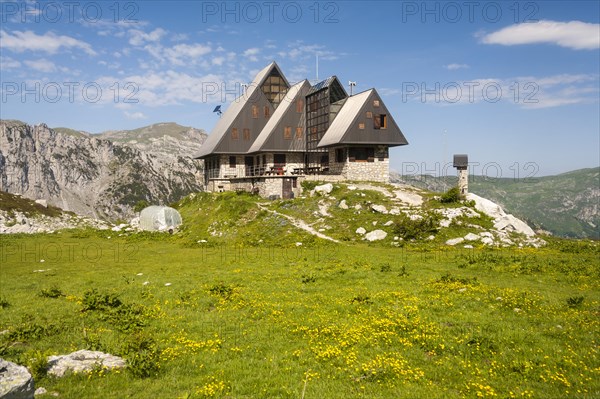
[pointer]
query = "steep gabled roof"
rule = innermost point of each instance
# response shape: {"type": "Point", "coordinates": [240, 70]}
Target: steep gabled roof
{"type": "Point", "coordinates": [285, 113]}
{"type": "Point", "coordinates": [344, 128]}
{"type": "Point", "coordinates": [219, 132]}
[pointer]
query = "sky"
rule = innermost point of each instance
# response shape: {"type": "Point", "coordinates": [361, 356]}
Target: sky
{"type": "Point", "coordinates": [515, 85]}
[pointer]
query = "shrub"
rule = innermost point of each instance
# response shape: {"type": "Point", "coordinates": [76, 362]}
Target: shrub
{"type": "Point", "coordinates": [142, 356]}
{"type": "Point", "coordinates": [37, 363]}
{"type": "Point", "coordinates": [575, 301]}
{"type": "Point", "coordinates": [4, 303]}
{"type": "Point", "coordinates": [94, 300]}
{"type": "Point", "coordinates": [451, 196]}
{"type": "Point", "coordinates": [308, 278]}
{"type": "Point", "coordinates": [140, 205]}
{"type": "Point", "coordinates": [222, 290]}
{"type": "Point", "coordinates": [415, 229]}
{"type": "Point", "coordinates": [53, 292]}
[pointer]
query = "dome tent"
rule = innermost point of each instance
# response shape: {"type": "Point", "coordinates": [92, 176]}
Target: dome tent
{"type": "Point", "coordinates": [159, 218]}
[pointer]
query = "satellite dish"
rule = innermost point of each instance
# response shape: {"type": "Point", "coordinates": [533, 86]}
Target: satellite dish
{"type": "Point", "coordinates": [218, 110]}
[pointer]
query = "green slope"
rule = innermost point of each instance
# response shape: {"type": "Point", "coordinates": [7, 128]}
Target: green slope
{"type": "Point", "coordinates": [565, 204]}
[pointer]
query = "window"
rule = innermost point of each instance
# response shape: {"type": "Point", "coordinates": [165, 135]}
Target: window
{"type": "Point", "coordinates": [380, 121]}
{"type": "Point", "coordinates": [369, 114]}
{"type": "Point", "coordinates": [279, 160]}
{"type": "Point", "coordinates": [362, 154]}
{"type": "Point", "coordinates": [287, 133]}
{"type": "Point", "coordinates": [361, 126]}
{"type": "Point", "coordinates": [376, 103]}
{"type": "Point", "coordinates": [299, 132]}
{"type": "Point", "coordinates": [255, 111]}
{"type": "Point", "coordinates": [232, 161]}
{"type": "Point", "coordinates": [246, 134]}
{"type": "Point", "coordinates": [300, 106]}
{"type": "Point", "coordinates": [264, 159]}
{"type": "Point", "coordinates": [234, 133]}
{"type": "Point", "coordinates": [340, 155]}
{"type": "Point", "coordinates": [267, 111]}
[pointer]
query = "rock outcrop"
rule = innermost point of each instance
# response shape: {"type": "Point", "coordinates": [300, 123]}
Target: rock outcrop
{"type": "Point", "coordinates": [15, 381]}
{"type": "Point", "coordinates": [83, 360]}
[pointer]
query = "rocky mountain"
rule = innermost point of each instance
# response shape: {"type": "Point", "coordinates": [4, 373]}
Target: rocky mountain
{"type": "Point", "coordinates": [566, 205]}
{"type": "Point", "coordinates": [167, 139]}
{"type": "Point", "coordinates": [96, 176]}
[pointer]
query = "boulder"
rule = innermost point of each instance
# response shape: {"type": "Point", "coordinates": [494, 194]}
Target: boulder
{"type": "Point", "coordinates": [472, 237]}
{"type": "Point", "coordinates": [15, 381]}
{"type": "Point", "coordinates": [454, 241]}
{"type": "Point", "coordinates": [376, 235]}
{"type": "Point", "coordinates": [487, 241]}
{"type": "Point", "coordinates": [324, 189]}
{"type": "Point", "coordinates": [361, 231]}
{"type": "Point", "coordinates": [42, 202]}
{"type": "Point", "coordinates": [83, 360]}
{"type": "Point", "coordinates": [343, 204]}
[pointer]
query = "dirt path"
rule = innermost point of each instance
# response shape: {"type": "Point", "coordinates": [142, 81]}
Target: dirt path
{"type": "Point", "coordinates": [299, 224]}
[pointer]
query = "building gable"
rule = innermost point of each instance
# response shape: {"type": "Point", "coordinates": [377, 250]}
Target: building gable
{"type": "Point", "coordinates": [363, 119]}
{"type": "Point", "coordinates": [247, 115]}
{"type": "Point", "coordinates": [284, 132]}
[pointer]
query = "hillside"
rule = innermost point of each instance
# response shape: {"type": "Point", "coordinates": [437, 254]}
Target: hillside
{"type": "Point", "coordinates": [87, 175]}
{"type": "Point", "coordinates": [566, 205]}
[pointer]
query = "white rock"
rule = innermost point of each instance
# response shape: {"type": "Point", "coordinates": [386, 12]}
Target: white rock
{"type": "Point", "coordinates": [361, 231]}
{"type": "Point", "coordinates": [298, 244]}
{"type": "Point", "coordinates": [454, 241]}
{"type": "Point", "coordinates": [358, 207]}
{"type": "Point", "coordinates": [140, 274]}
{"type": "Point", "coordinates": [431, 237]}
{"type": "Point", "coordinates": [487, 241]}
{"type": "Point", "coordinates": [374, 223]}
{"type": "Point", "coordinates": [343, 204]}
{"type": "Point", "coordinates": [167, 284]}
{"type": "Point", "coordinates": [394, 211]}
{"type": "Point", "coordinates": [40, 391]}
{"type": "Point", "coordinates": [82, 360]}
{"type": "Point", "coordinates": [42, 202]}
{"type": "Point", "coordinates": [376, 235]}
{"type": "Point", "coordinates": [116, 228]}
{"type": "Point", "coordinates": [146, 283]}
{"type": "Point", "coordinates": [324, 189]}
{"type": "Point", "coordinates": [379, 209]}
{"type": "Point", "coordinates": [472, 237]}
{"type": "Point", "coordinates": [445, 223]}
{"type": "Point", "coordinates": [15, 381]}
{"type": "Point", "coordinates": [486, 234]}
{"type": "Point", "coordinates": [388, 223]}
{"type": "Point", "coordinates": [468, 246]}
{"type": "Point", "coordinates": [502, 220]}
{"type": "Point", "coordinates": [415, 217]}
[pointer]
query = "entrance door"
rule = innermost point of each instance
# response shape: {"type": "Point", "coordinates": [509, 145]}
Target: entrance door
{"type": "Point", "coordinates": [249, 162]}
{"type": "Point", "coordinates": [286, 190]}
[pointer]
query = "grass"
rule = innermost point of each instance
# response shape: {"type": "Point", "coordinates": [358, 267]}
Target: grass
{"type": "Point", "coordinates": [318, 321]}
{"type": "Point", "coordinates": [231, 306]}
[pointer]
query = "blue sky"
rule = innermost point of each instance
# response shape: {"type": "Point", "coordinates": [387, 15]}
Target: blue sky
{"type": "Point", "coordinates": [513, 84]}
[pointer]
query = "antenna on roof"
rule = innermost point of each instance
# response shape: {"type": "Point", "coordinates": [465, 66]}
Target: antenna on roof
{"type": "Point", "coordinates": [351, 84]}
{"type": "Point", "coordinates": [218, 110]}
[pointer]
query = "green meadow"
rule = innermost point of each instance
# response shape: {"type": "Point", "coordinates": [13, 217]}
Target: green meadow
{"type": "Point", "coordinates": [252, 314]}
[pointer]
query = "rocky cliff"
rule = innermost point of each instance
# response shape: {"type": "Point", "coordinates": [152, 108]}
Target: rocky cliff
{"type": "Point", "coordinates": [89, 175]}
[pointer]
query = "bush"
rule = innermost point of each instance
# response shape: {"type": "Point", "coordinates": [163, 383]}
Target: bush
{"type": "Point", "coordinates": [142, 356]}
{"type": "Point", "coordinates": [53, 292]}
{"type": "Point", "coordinates": [408, 229]}
{"type": "Point", "coordinates": [93, 300]}
{"type": "Point", "coordinates": [451, 196]}
{"type": "Point", "coordinates": [4, 303]}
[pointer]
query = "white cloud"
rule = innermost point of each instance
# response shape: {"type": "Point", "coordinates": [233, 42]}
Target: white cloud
{"type": "Point", "coordinates": [135, 115]}
{"type": "Point", "coordinates": [218, 60]}
{"type": "Point", "coordinates": [49, 42]}
{"type": "Point", "coordinates": [452, 67]}
{"type": "Point", "coordinates": [8, 63]}
{"type": "Point", "coordinates": [139, 38]}
{"type": "Point", "coordinates": [528, 92]}
{"type": "Point", "coordinates": [252, 53]}
{"type": "Point", "coordinates": [170, 87]}
{"type": "Point", "coordinates": [576, 35]}
{"type": "Point", "coordinates": [42, 65]}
